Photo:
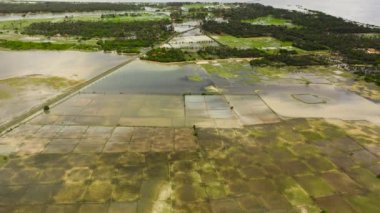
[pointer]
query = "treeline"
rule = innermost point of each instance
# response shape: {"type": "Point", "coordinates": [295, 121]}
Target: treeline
{"type": "Point", "coordinates": [149, 30]}
{"type": "Point", "coordinates": [370, 77]}
{"type": "Point", "coordinates": [318, 31]}
{"type": "Point", "coordinates": [124, 46]}
{"type": "Point", "coordinates": [312, 19]}
{"type": "Point", "coordinates": [352, 46]}
{"type": "Point", "coordinates": [20, 45]}
{"type": "Point", "coordinates": [118, 45]}
{"type": "Point", "coordinates": [289, 60]}
{"type": "Point", "coordinates": [176, 55]}
{"type": "Point", "coordinates": [165, 55]}
{"type": "Point", "coordinates": [123, 37]}
{"type": "Point", "coordinates": [226, 52]}
{"type": "Point", "coordinates": [283, 57]}
{"type": "Point", "coordinates": [66, 7]}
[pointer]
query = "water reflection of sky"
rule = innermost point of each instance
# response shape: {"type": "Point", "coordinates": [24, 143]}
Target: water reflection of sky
{"type": "Point", "coordinates": [365, 11]}
{"type": "Point", "coordinates": [142, 77]}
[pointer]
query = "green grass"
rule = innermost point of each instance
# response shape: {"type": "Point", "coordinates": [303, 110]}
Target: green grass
{"type": "Point", "coordinates": [195, 78]}
{"type": "Point", "coordinates": [4, 95]}
{"type": "Point", "coordinates": [270, 20]}
{"type": "Point", "coordinates": [3, 160]}
{"type": "Point", "coordinates": [274, 71]}
{"type": "Point", "coordinates": [235, 67]}
{"type": "Point", "coordinates": [268, 44]}
{"type": "Point", "coordinates": [228, 69]}
{"type": "Point", "coordinates": [51, 81]}
{"type": "Point", "coordinates": [218, 70]}
{"type": "Point", "coordinates": [19, 25]}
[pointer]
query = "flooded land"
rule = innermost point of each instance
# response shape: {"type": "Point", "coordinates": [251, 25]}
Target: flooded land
{"type": "Point", "coordinates": [165, 148]}
{"type": "Point", "coordinates": [29, 78]}
{"type": "Point", "coordinates": [145, 109]}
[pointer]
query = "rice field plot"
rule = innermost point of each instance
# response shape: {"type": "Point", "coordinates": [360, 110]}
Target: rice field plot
{"type": "Point", "coordinates": [292, 166]}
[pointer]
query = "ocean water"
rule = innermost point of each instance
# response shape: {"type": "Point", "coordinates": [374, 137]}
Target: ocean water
{"type": "Point", "coordinates": [363, 11]}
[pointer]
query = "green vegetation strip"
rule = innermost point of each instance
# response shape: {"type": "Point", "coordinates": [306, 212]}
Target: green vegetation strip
{"type": "Point", "coordinates": [20, 45]}
{"type": "Point", "coordinates": [51, 81]}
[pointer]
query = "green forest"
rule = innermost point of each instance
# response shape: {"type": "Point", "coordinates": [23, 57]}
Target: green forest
{"type": "Point", "coordinates": [317, 31]}
{"type": "Point", "coordinates": [123, 37]}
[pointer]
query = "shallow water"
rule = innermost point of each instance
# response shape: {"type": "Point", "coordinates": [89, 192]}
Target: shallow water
{"type": "Point", "coordinates": [69, 64]}
{"type": "Point", "coordinates": [338, 104]}
{"type": "Point", "coordinates": [152, 78]}
{"type": "Point", "coordinates": [24, 91]}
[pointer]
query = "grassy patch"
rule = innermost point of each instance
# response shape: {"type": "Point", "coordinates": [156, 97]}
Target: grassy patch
{"type": "Point", "coordinates": [269, 44]}
{"type": "Point", "coordinates": [278, 71]}
{"type": "Point", "coordinates": [19, 25]}
{"type": "Point", "coordinates": [53, 82]}
{"type": "Point", "coordinates": [270, 20]}
{"type": "Point", "coordinates": [232, 69]}
{"type": "Point", "coordinates": [3, 160]}
{"type": "Point", "coordinates": [195, 78]}
{"type": "Point", "coordinates": [218, 70]}
{"type": "Point", "coordinates": [367, 203]}
{"type": "Point", "coordinates": [4, 94]}
{"type": "Point", "coordinates": [296, 194]}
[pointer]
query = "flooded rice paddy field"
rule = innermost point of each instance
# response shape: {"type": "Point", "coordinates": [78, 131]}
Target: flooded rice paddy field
{"type": "Point", "coordinates": [151, 138]}
{"type": "Point", "coordinates": [142, 77]}
{"type": "Point", "coordinates": [322, 101]}
{"type": "Point", "coordinates": [296, 165]}
{"type": "Point", "coordinates": [29, 78]}
{"type": "Point", "coordinates": [18, 95]}
{"type": "Point", "coordinates": [68, 64]}
{"type": "Point", "coordinates": [158, 110]}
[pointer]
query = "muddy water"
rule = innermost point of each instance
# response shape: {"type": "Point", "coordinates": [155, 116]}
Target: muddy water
{"type": "Point", "coordinates": [152, 78]}
{"type": "Point", "coordinates": [68, 64]}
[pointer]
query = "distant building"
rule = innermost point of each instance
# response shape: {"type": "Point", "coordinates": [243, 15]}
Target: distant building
{"type": "Point", "coordinates": [185, 26]}
{"type": "Point", "coordinates": [151, 9]}
{"type": "Point", "coordinates": [373, 51]}
{"type": "Point", "coordinates": [185, 9]}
